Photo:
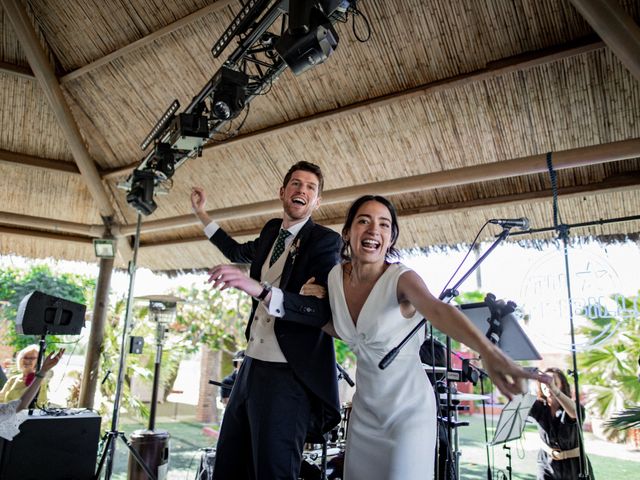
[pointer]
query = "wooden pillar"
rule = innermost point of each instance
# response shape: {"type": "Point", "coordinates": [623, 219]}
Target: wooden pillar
{"type": "Point", "coordinates": [96, 335]}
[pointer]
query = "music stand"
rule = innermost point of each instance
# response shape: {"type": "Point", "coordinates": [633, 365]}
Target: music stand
{"type": "Point", "coordinates": [42, 314]}
{"type": "Point", "coordinates": [513, 418]}
{"type": "Point", "coordinates": [513, 341]}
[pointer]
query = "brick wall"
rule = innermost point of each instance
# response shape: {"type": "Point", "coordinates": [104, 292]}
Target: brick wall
{"type": "Point", "coordinates": [206, 410]}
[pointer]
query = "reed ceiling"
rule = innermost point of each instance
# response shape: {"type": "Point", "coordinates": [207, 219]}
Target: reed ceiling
{"type": "Point", "coordinates": [443, 92]}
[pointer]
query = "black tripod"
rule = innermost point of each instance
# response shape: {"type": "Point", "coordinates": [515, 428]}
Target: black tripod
{"type": "Point", "coordinates": [108, 440]}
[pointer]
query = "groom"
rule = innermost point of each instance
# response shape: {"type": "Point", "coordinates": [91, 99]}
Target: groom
{"type": "Point", "coordinates": [286, 389]}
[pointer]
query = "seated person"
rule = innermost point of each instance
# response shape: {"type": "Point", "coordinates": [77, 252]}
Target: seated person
{"type": "Point", "coordinates": [229, 380]}
{"type": "Point", "coordinates": [10, 417]}
{"type": "Point", "coordinates": [26, 361]}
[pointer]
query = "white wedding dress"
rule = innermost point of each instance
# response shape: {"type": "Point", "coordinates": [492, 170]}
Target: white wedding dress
{"type": "Point", "coordinates": [392, 427]}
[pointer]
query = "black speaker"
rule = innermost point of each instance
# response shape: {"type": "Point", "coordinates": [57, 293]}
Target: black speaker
{"type": "Point", "coordinates": [62, 447]}
{"type": "Point", "coordinates": [42, 314]}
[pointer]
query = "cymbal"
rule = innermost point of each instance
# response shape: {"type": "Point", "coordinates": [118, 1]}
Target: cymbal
{"type": "Point", "coordinates": [465, 396]}
{"type": "Point", "coordinates": [430, 368]}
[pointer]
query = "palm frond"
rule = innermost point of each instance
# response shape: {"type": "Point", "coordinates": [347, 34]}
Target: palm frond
{"type": "Point", "coordinates": [629, 418]}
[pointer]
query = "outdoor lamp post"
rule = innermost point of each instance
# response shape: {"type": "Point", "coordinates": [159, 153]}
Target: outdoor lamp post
{"type": "Point", "coordinates": [152, 444]}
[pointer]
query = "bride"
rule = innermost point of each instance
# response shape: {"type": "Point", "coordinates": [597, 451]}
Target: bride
{"type": "Point", "coordinates": [375, 303]}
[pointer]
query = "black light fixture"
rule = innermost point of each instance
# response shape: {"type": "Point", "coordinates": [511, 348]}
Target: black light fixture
{"type": "Point", "coordinates": [309, 39]}
{"type": "Point", "coordinates": [140, 195]}
{"type": "Point", "coordinates": [230, 93]}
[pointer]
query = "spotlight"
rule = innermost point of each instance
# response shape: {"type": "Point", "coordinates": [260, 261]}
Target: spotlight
{"type": "Point", "coordinates": [164, 160]}
{"type": "Point", "coordinates": [140, 195]}
{"type": "Point", "coordinates": [305, 46]}
{"type": "Point", "coordinates": [104, 247]}
{"type": "Point", "coordinates": [229, 94]}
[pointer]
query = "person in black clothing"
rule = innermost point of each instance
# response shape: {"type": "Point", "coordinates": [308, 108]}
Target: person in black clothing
{"type": "Point", "coordinates": [555, 412]}
{"type": "Point", "coordinates": [229, 380]}
{"type": "Point", "coordinates": [286, 391]}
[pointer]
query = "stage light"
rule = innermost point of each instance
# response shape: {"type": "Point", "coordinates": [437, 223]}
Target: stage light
{"type": "Point", "coordinates": [305, 46]}
{"type": "Point", "coordinates": [104, 247]}
{"type": "Point", "coordinates": [230, 93]}
{"type": "Point", "coordinates": [160, 125]}
{"type": "Point", "coordinates": [140, 196]}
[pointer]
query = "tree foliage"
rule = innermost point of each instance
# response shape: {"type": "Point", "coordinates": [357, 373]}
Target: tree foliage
{"type": "Point", "coordinates": [609, 371]}
{"type": "Point", "coordinates": [213, 318]}
{"type": "Point", "coordinates": [15, 284]}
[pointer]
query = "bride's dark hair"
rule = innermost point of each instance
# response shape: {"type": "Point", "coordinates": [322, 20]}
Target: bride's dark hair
{"type": "Point", "coordinates": [392, 252]}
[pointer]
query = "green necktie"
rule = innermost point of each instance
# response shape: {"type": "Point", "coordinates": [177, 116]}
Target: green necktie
{"type": "Point", "coordinates": [278, 248]}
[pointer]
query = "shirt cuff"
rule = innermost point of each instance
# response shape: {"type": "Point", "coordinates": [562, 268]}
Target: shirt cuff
{"type": "Point", "coordinates": [210, 229]}
{"type": "Point", "coordinates": [276, 304]}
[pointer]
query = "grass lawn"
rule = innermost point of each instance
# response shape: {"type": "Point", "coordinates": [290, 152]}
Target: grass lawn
{"type": "Point", "coordinates": [612, 461]}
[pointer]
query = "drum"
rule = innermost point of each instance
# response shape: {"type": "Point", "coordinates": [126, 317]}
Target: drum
{"type": "Point", "coordinates": [309, 470]}
{"type": "Point", "coordinates": [311, 467]}
{"type": "Point", "coordinates": [335, 467]}
{"type": "Point", "coordinates": [207, 462]}
{"type": "Point", "coordinates": [343, 429]}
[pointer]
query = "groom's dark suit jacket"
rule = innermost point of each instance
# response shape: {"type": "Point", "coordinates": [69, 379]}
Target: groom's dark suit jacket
{"type": "Point", "coordinates": [308, 350]}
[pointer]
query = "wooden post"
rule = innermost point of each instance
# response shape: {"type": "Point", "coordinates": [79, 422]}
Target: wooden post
{"type": "Point", "coordinates": [96, 335]}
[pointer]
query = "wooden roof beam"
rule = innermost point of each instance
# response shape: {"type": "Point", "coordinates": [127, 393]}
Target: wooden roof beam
{"type": "Point", "coordinates": [45, 74]}
{"type": "Point", "coordinates": [492, 70]}
{"type": "Point", "coordinates": [612, 184]}
{"type": "Point", "coordinates": [566, 159]}
{"type": "Point", "coordinates": [17, 70]}
{"type": "Point", "coordinates": [37, 162]}
{"type": "Point", "coordinates": [618, 30]}
{"type": "Point", "coordinates": [144, 41]}
{"type": "Point", "coordinates": [45, 235]}
{"type": "Point", "coordinates": [14, 219]}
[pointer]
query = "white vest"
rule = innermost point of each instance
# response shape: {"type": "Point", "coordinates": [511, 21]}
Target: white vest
{"type": "Point", "coordinates": [263, 344]}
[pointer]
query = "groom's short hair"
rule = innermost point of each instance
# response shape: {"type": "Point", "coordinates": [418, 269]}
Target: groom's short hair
{"type": "Point", "coordinates": [307, 167]}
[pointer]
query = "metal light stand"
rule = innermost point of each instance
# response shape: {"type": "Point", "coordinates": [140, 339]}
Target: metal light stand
{"type": "Point", "coordinates": [446, 296]}
{"type": "Point", "coordinates": [108, 440]}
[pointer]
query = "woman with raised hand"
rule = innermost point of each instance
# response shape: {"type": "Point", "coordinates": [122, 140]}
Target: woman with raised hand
{"type": "Point", "coordinates": [10, 418]}
{"type": "Point", "coordinates": [555, 412]}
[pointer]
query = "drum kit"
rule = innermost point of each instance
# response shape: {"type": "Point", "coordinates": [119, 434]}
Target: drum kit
{"type": "Point", "coordinates": [326, 461]}
{"type": "Point", "coordinates": [319, 461]}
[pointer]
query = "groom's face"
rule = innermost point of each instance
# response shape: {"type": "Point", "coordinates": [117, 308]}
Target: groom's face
{"type": "Point", "coordinates": [300, 197]}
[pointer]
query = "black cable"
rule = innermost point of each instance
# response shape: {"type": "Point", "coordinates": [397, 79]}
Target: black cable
{"type": "Point", "coordinates": [554, 187]}
{"type": "Point", "coordinates": [355, 13]}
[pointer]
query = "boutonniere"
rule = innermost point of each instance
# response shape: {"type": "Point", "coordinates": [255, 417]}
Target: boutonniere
{"type": "Point", "coordinates": [293, 252]}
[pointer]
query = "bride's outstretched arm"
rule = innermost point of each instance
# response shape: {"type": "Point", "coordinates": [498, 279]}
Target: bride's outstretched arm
{"type": "Point", "coordinates": [506, 374]}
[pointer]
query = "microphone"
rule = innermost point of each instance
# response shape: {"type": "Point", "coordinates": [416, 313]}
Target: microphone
{"type": "Point", "coordinates": [521, 223]}
{"type": "Point", "coordinates": [388, 358]}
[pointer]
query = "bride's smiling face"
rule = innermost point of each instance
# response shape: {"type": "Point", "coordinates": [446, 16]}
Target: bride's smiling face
{"type": "Point", "coordinates": [370, 235]}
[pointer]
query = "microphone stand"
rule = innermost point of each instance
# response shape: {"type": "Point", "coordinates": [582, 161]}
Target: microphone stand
{"type": "Point", "coordinates": [446, 296]}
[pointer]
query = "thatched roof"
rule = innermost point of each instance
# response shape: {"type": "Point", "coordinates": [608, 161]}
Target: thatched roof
{"type": "Point", "coordinates": [449, 110]}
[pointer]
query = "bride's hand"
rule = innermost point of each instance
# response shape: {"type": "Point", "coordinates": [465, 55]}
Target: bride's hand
{"type": "Point", "coordinates": [314, 289]}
